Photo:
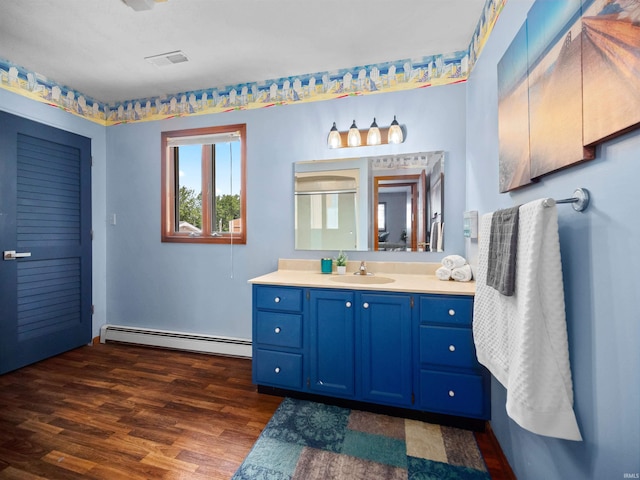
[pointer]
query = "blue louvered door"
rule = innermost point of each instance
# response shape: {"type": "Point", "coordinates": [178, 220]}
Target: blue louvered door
{"type": "Point", "coordinates": [45, 218]}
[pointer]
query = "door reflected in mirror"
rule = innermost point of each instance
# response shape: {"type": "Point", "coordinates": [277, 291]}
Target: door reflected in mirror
{"type": "Point", "coordinates": [408, 189]}
{"type": "Point", "coordinates": [398, 196]}
{"type": "Point", "coordinates": [380, 203]}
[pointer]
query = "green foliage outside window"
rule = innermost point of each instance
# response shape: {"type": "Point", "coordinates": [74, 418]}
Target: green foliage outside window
{"type": "Point", "coordinates": [190, 207]}
{"type": "Point", "coordinates": [227, 209]}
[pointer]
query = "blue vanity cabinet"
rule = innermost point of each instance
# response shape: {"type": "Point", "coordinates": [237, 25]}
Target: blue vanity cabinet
{"type": "Point", "coordinates": [278, 336]}
{"type": "Point", "coordinates": [451, 379]}
{"type": "Point", "coordinates": [397, 349]}
{"type": "Point", "coordinates": [385, 355]}
{"type": "Point", "coordinates": [332, 342]}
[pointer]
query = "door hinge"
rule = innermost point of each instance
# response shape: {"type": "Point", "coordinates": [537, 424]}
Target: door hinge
{"type": "Point", "coordinates": [308, 383]}
{"type": "Point", "coordinates": [93, 309]}
{"type": "Point", "coordinates": [413, 398]}
{"type": "Point", "coordinates": [308, 295]}
{"type": "Point", "coordinates": [411, 302]}
{"type": "Point", "coordinates": [91, 233]}
{"type": "Point", "coordinates": [92, 160]}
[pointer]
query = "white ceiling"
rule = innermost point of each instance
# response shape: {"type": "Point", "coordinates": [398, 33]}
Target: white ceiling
{"type": "Point", "coordinates": [97, 47]}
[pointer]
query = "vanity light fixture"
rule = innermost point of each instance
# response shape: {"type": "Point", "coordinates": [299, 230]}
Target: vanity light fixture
{"type": "Point", "coordinates": [334, 140]}
{"type": "Point", "coordinates": [354, 139]}
{"type": "Point", "coordinates": [395, 132]}
{"type": "Point", "coordinates": [374, 135]}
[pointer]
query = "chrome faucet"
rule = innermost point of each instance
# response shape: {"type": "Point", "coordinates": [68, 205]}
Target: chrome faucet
{"type": "Point", "coordinates": [363, 268]}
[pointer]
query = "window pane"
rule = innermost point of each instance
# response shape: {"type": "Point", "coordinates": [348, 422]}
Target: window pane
{"type": "Point", "coordinates": [227, 177]}
{"type": "Point", "coordinates": [333, 222]}
{"type": "Point", "coordinates": [189, 179]}
{"type": "Point", "coordinates": [315, 211]}
{"type": "Point", "coordinates": [382, 217]}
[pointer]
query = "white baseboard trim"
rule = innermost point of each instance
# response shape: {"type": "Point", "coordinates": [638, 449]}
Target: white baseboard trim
{"type": "Point", "coordinates": [194, 342]}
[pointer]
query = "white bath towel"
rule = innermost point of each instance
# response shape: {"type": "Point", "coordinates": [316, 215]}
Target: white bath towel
{"type": "Point", "coordinates": [433, 237]}
{"type": "Point", "coordinates": [522, 339]}
{"type": "Point", "coordinates": [462, 274]}
{"type": "Point", "coordinates": [453, 261]}
{"type": "Point", "coordinates": [443, 273]}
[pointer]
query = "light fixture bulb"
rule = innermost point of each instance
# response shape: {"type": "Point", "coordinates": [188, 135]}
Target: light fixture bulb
{"type": "Point", "coordinates": [373, 136]}
{"type": "Point", "coordinates": [395, 132]}
{"type": "Point", "coordinates": [334, 140]}
{"type": "Point", "coordinates": [353, 137]}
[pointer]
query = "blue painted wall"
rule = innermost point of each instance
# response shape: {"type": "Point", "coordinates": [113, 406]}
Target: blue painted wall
{"type": "Point", "coordinates": [203, 288]}
{"type": "Point", "coordinates": [600, 271]}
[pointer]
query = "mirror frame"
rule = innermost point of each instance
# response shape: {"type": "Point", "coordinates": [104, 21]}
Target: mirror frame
{"type": "Point", "coordinates": [375, 171]}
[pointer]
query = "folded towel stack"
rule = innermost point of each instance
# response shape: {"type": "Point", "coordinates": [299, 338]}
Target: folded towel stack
{"type": "Point", "coordinates": [443, 273]}
{"type": "Point", "coordinates": [454, 267]}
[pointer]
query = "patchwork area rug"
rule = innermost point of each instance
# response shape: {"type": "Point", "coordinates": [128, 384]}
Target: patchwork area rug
{"type": "Point", "coordinates": [312, 441]}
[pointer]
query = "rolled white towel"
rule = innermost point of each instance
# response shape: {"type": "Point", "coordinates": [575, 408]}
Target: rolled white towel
{"type": "Point", "coordinates": [453, 261]}
{"type": "Point", "coordinates": [462, 274]}
{"type": "Point", "coordinates": [443, 273]}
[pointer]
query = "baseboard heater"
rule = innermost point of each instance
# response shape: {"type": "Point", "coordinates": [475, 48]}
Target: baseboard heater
{"type": "Point", "coordinates": [193, 342]}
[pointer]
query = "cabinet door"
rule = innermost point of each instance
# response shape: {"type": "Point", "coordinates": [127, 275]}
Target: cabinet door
{"type": "Point", "coordinates": [386, 348]}
{"type": "Point", "coordinates": [331, 336]}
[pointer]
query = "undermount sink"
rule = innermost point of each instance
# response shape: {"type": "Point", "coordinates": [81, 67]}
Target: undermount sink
{"type": "Point", "coordinates": [361, 279]}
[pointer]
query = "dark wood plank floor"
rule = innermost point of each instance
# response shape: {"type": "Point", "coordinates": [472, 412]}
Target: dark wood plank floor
{"type": "Point", "coordinates": [127, 412]}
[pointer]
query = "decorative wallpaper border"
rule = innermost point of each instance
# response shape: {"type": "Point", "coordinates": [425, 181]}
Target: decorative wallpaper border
{"type": "Point", "coordinates": [407, 74]}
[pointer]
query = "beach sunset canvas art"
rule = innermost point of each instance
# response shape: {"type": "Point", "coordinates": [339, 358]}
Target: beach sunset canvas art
{"type": "Point", "coordinates": [555, 86]}
{"type": "Point", "coordinates": [611, 68]}
{"type": "Point", "coordinates": [579, 88]}
{"type": "Point", "coordinates": [513, 115]}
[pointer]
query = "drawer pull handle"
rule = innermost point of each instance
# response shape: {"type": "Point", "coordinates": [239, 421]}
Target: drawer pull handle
{"type": "Point", "coordinates": [277, 370]}
{"type": "Point", "coordinates": [277, 299]}
{"type": "Point", "coordinates": [452, 393]}
{"type": "Point", "coordinates": [452, 312]}
{"type": "Point", "coordinates": [452, 348]}
{"type": "Point", "coordinates": [365, 305]}
{"type": "Point", "coordinates": [277, 330]}
{"type": "Point", "coordinates": [348, 304]}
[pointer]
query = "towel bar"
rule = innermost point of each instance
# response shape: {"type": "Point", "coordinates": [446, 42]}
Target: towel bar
{"type": "Point", "coordinates": [579, 201]}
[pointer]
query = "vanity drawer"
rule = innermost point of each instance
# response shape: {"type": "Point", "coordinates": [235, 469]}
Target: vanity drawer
{"type": "Point", "coordinates": [452, 347]}
{"type": "Point", "coordinates": [279, 329]}
{"type": "Point", "coordinates": [279, 369]}
{"type": "Point", "coordinates": [454, 310]}
{"type": "Point", "coordinates": [279, 298]}
{"type": "Point", "coordinates": [452, 393]}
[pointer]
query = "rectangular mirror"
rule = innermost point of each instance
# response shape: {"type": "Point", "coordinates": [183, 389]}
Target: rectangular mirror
{"type": "Point", "coordinates": [380, 203]}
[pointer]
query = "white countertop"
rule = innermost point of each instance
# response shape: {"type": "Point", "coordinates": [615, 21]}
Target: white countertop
{"type": "Point", "coordinates": [412, 277]}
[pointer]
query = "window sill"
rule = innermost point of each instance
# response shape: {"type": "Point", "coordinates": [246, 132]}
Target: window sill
{"type": "Point", "coordinates": [222, 240]}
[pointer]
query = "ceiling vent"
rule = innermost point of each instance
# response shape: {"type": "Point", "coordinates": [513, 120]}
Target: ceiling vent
{"type": "Point", "coordinates": [169, 58]}
{"type": "Point", "coordinates": [139, 5]}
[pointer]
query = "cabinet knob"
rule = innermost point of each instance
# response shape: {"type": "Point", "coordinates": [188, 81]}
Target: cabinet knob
{"type": "Point", "coordinates": [277, 330]}
{"type": "Point", "coordinates": [348, 304]}
{"type": "Point", "coordinates": [365, 305]}
{"type": "Point", "coordinates": [277, 299]}
{"type": "Point", "coordinates": [452, 348]}
{"type": "Point", "coordinates": [277, 370]}
{"type": "Point", "coordinates": [452, 312]}
{"type": "Point", "coordinates": [452, 393]}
